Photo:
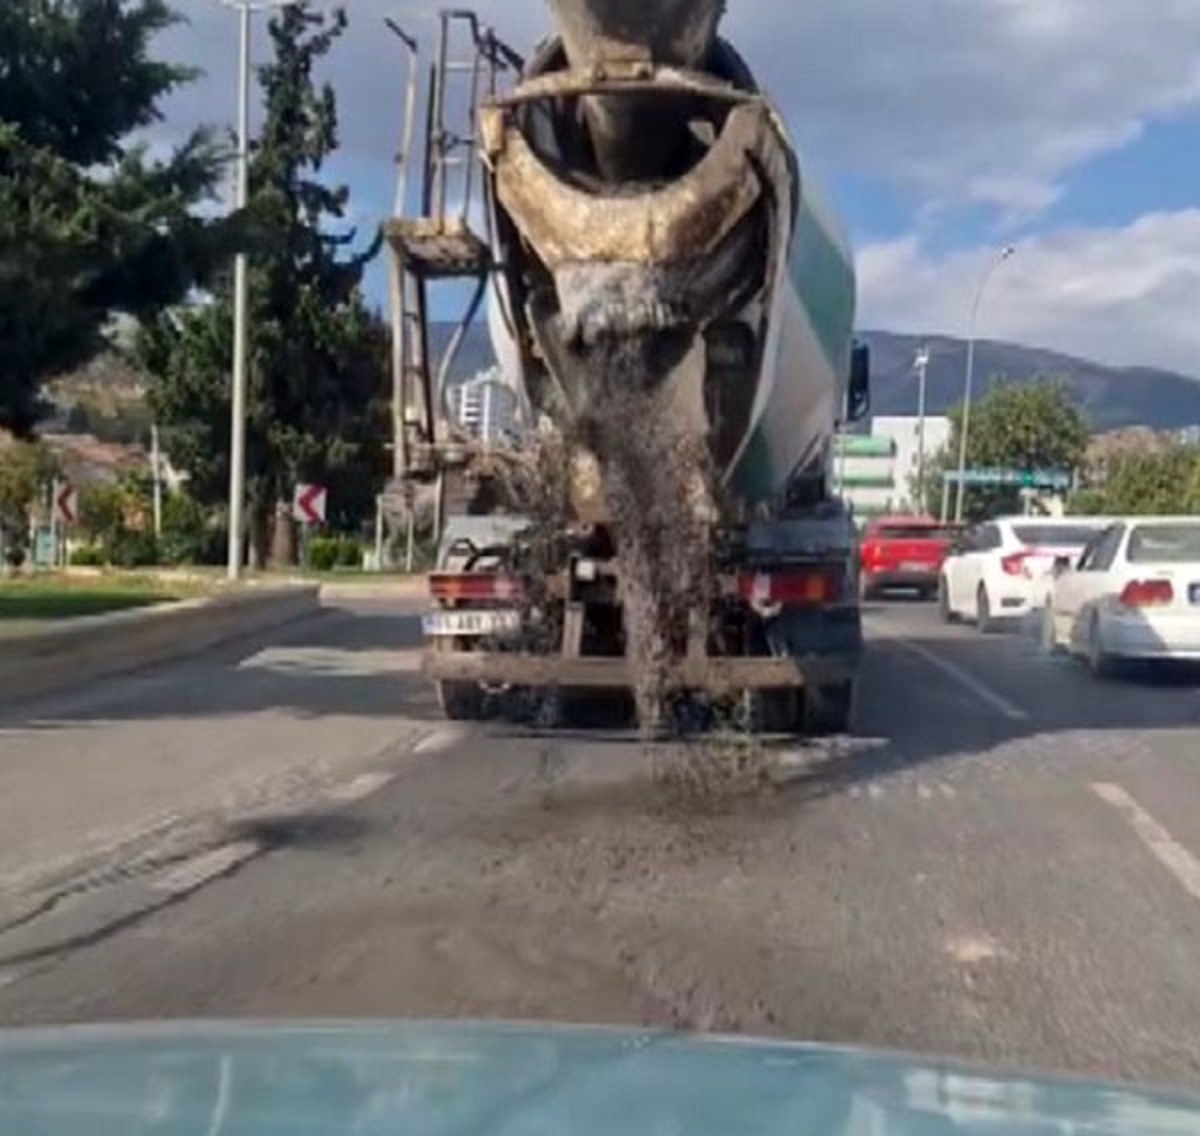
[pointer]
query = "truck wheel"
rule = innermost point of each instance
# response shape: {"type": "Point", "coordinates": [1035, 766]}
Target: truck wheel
{"type": "Point", "coordinates": [827, 710]}
{"type": "Point", "coordinates": [769, 711]}
{"type": "Point", "coordinates": [461, 701]}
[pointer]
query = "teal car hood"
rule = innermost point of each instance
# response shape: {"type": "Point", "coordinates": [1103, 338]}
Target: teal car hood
{"type": "Point", "coordinates": [414, 1079]}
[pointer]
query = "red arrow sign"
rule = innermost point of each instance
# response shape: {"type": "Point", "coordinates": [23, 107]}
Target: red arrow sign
{"type": "Point", "coordinates": [308, 505]}
{"type": "Point", "coordinates": [66, 504]}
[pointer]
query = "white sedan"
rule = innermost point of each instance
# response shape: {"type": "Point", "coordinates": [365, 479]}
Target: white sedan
{"type": "Point", "coordinates": [1134, 594]}
{"type": "Point", "coordinates": [1002, 570]}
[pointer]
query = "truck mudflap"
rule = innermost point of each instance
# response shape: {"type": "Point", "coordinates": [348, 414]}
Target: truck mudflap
{"type": "Point", "coordinates": [719, 677]}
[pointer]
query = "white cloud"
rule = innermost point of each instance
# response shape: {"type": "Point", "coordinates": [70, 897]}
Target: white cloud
{"type": "Point", "coordinates": [984, 101]}
{"type": "Point", "coordinates": [959, 102]}
{"type": "Point", "coordinates": [1123, 295]}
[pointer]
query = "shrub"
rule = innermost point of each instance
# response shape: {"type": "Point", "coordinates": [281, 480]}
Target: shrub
{"type": "Point", "coordinates": [350, 553]}
{"type": "Point", "coordinates": [133, 550]}
{"type": "Point", "coordinates": [88, 556]}
{"type": "Point", "coordinates": [323, 553]}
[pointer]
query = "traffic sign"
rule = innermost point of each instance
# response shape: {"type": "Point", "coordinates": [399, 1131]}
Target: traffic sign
{"type": "Point", "coordinates": [1022, 478]}
{"type": "Point", "coordinates": [66, 504]}
{"type": "Point", "coordinates": [308, 505]}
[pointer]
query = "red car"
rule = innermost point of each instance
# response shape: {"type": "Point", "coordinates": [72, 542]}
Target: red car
{"type": "Point", "coordinates": [904, 552]}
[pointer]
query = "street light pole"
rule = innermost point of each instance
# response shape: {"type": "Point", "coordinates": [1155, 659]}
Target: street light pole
{"type": "Point", "coordinates": [237, 435]}
{"type": "Point", "coordinates": [922, 365]}
{"type": "Point", "coordinates": [241, 268]}
{"type": "Point", "coordinates": [1005, 255]}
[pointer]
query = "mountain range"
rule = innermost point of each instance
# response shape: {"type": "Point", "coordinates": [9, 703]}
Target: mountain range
{"type": "Point", "coordinates": [1111, 397]}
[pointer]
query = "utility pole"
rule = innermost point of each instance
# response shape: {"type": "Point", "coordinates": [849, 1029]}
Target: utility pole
{"type": "Point", "coordinates": [156, 467]}
{"type": "Point", "coordinates": [237, 433]}
{"type": "Point", "coordinates": [1006, 254]}
{"type": "Point", "coordinates": [922, 365]}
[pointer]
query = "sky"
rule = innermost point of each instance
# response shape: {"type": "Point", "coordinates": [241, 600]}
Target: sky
{"type": "Point", "coordinates": [941, 130]}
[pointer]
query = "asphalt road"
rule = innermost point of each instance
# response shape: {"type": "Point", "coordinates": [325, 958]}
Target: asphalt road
{"type": "Point", "coordinates": [1001, 862]}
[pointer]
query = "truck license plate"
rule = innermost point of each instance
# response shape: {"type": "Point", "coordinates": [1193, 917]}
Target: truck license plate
{"type": "Point", "coordinates": [442, 624]}
{"type": "Point", "coordinates": [914, 566]}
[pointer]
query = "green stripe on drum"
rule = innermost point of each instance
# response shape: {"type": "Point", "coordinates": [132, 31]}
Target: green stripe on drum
{"type": "Point", "coordinates": [755, 477]}
{"type": "Point", "coordinates": [823, 277]}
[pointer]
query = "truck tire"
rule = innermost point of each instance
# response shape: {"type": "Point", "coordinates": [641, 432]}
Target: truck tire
{"type": "Point", "coordinates": [827, 709]}
{"type": "Point", "coordinates": [461, 701]}
{"type": "Point", "coordinates": [769, 711]}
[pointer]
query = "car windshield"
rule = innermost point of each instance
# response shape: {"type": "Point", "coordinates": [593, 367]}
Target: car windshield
{"type": "Point", "coordinates": [1055, 536]}
{"type": "Point", "coordinates": [1165, 544]}
{"type": "Point", "coordinates": [485, 536]}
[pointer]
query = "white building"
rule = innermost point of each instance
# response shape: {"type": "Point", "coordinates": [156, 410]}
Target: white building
{"type": "Point", "coordinates": [875, 472]}
{"type": "Point", "coordinates": [485, 408]}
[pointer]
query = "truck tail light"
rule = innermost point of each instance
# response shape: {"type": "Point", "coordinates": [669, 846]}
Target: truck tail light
{"type": "Point", "coordinates": [1147, 593]}
{"type": "Point", "coordinates": [450, 587]}
{"type": "Point", "coordinates": [795, 587]}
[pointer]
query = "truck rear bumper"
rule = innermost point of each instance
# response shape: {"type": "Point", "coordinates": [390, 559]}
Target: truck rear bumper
{"type": "Point", "coordinates": [715, 676]}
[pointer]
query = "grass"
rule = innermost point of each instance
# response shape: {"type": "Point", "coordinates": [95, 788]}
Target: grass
{"type": "Point", "coordinates": [59, 597]}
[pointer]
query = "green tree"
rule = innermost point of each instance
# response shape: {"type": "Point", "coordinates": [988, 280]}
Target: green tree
{"type": "Point", "coordinates": [316, 410]}
{"type": "Point", "coordinates": [26, 469]}
{"type": "Point", "coordinates": [90, 225]}
{"type": "Point", "coordinates": [1025, 426]}
{"type": "Point", "coordinates": [1147, 484]}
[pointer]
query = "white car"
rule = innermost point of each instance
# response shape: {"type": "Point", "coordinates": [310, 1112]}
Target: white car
{"type": "Point", "coordinates": [1134, 594]}
{"type": "Point", "coordinates": [1002, 570]}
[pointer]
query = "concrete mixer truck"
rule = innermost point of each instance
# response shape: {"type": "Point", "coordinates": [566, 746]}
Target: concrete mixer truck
{"type": "Point", "coordinates": [673, 306]}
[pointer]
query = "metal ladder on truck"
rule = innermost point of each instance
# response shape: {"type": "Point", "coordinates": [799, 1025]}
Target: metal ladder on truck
{"type": "Point", "coordinates": [438, 244]}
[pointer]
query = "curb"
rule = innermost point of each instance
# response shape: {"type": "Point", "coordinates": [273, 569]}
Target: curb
{"type": "Point", "coordinates": [412, 589]}
{"type": "Point", "coordinates": [79, 651]}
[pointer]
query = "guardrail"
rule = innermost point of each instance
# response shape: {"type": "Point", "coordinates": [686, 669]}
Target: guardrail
{"type": "Point", "coordinates": [76, 652]}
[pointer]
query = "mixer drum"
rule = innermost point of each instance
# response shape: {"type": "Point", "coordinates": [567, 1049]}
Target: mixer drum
{"type": "Point", "coordinates": [637, 139]}
{"type": "Point", "coordinates": [676, 32]}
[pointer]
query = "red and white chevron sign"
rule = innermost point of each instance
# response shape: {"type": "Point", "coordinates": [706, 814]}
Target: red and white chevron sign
{"type": "Point", "coordinates": [308, 505]}
{"type": "Point", "coordinates": [66, 504]}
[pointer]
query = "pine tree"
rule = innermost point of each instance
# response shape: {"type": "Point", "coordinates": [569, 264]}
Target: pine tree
{"type": "Point", "coordinates": [317, 355]}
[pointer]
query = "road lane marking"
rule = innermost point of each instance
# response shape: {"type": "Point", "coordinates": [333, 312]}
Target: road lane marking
{"type": "Point", "coordinates": [363, 786]}
{"type": "Point", "coordinates": [1162, 845]}
{"type": "Point", "coordinates": [208, 866]}
{"type": "Point", "coordinates": [964, 678]}
{"type": "Point", "coordinates": [970, 950]}
{"type": "Point", "coordinates": [440, 740]}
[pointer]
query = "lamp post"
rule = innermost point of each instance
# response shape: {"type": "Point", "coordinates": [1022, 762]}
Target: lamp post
{"type": "Point", "coordinates": [237, 434]}
{"type": "Point", "coordinates": [1005, 255]}
{"type": "Point", "coordinates": [921, 363]}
